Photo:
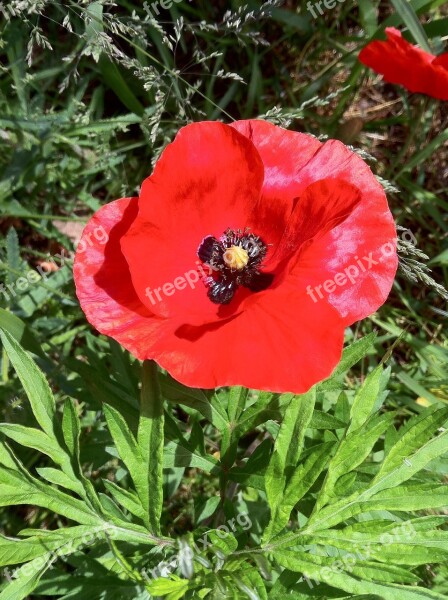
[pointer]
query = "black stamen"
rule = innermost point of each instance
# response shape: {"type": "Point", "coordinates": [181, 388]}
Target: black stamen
{"type": "Point", "coordinates": [222, 292]}
{"type": "Point", "coordinates": [225, 280]}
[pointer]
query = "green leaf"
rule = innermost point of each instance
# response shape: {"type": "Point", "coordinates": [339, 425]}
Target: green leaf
{"type": "Point", "coordinates": [291, 435]}
{"type": "Point", "coordinates": [222, 540]}
{"type": "Point", "coordinates": [369, 16]}
{"type": "Point", "coordinates": [71, 428]}
{"type": "Point", "coordinates": [20, 331]}
{"type": "Point", "coordinates": [366, 397]}
{"type": "Point", "coordinates": [12, 253]}
{"type": "Point", "coordinates": [400, 544]}
{"type": "Point", "coordinates": [129, 452]}
{"type": "Point", "coordinates": [351, 355]}
{"type": "Point", "coordinates": [34, 383]}
{"type": "Point", "coordinates": [128, 499]}
{"type": "Point", "coordinates": [114, 79]}
{"type": "Point", "coordinates": [287, 449]}
{"type": "Point", "coordinates": [58, 478]}
{"type": "Point", "coordinates": [299, 484]}
{"type": "Point", "coordinates": [322, 420]}
{"type": "Point", "coordinates": [94, 20]}
{"type": "Point", "coordinates": [27, 579]}
{"type": "Point", "coordinates": [305, 476]}
{"type": "Point", "coordinates": [237, 402]}
{"type": "Point", "coordinates": [179, 452]}
{"type": "Point", "coordinates": [267, 406]}
{"type": "Point", "coordinates": [323, 569]}
{"type": "Point", "coordinates": [163, 587]}
{"type": "Point", "coordinates": [31, 437]}
{"type": "Point", "coordinates": [197, 399]}
{"type": "Point", "coordinates": [410, 466]}
{"type": "Point", "coordinates": [425, 153]}
{"type": "Point", "coordinates": [403, 498]}
{"type": "Point", "coordinates": [410, 19]}
{"type": "Point", "coordinates": [62, 542]}
{"type": "Point", "coordinates": [150, 441]}
{"type": "Point", "coordinates": [413, 435]}
{"type": "Point", "coordinates": [250, 583]}
{"type": "Point", "coordinates": [19, 487]}
{"type": "Point", "coordinates": [352, 451]}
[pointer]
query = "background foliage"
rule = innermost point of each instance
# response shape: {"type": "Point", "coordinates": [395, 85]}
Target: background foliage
{"type": "Point", "coordinates": [340, 493]}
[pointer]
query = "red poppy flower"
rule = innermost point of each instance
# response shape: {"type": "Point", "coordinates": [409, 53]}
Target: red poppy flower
{"type": "Point", "coordinates": [400, 62]}
{"type": "Point", "coordinates": [229, 268]}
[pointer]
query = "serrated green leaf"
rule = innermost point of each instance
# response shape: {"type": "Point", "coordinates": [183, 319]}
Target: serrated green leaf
{"type": "Point", "coordinates": [413, 464]}
{"type": "Point", "coordinates": [27, 579]}
{"type": "Point", "coordinates": [162, 587]}
{"type": "Point", "coordinates": [237, 402]}
{"type": "Point", "coordinates": [31, 437]}
{"type": "Point", "coordinates": [402, 498]}
{"type": "Point", "coordinates": [287, 449]}
{"type": "Point", "coordinates": [365, 402]}
{"type": "Point", "coordinates": [222, 540]}
{"type": "Point", "coordinates": [267, 406]}
{"type": "Point", "coordinates": [197, 399]}
{"type": "Point", "coordinates": [291, 435]}
{"type": "Point", "coordinates": [128, 499]}
{"type": "Point", "coordinates": [150, 442]}
{"type": "Point", "coordinates": [71, 431]}
{"type": "Point", "coordinates": [71, 428]}
{"type": "Point", "coordinates": [58, 478]}
{"type": "Point", "coordinates": [321, 420]}
{"type": "Point", "coordinates": [16, 489]}
{"type": "Point", "coordinates": [400, 545]}
{"type": "Point", "coordinates": [62, 542]}
{"type": "Point", "coordinates": [329, 571]}
{"type": "Point", "coordinates": [414, 434]}
{"type": "Point", "coordinates": [352, 452]}
{"type": "Point", "coordinates": [129, 452]}
{"type": "Point", "coordinates": [301, 481]}
{"type": "Point", "coordinates": [34, 383]}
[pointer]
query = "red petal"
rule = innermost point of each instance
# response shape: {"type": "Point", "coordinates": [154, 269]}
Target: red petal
{"type": "Point", "coordinates": [282, 343]}
{"type": "Point", "coordinates": [284, 153]}
{"type": "Point", "coordinates": [321, 207]}
{"type": "Point", "coordinates": [407, 65]}
{"type": "Point", "coordinates": [103, 282]}
{"type": "Point", "coordinates": [207, 180]}
{"type": "Point", "coordinates": [367, 229]}
{"type": "Point", "coordinates": [441, 61]}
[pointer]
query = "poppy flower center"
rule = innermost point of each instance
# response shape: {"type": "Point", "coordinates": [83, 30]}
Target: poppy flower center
{"type": "Point", "coordinates": [234, 260]}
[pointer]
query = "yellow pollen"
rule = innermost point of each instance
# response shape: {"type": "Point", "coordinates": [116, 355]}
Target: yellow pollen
{"type": "Point", "coordinates": [236, 257]}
